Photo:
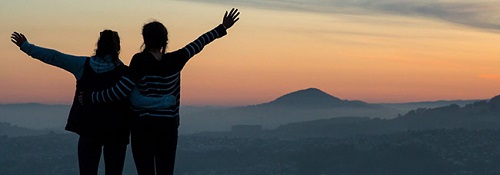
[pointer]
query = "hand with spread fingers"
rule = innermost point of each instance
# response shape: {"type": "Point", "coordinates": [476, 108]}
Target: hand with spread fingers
{"type": "Point", "coordinates": [231, 18]}
{"type": "Point", "coordinates": [18, 38]}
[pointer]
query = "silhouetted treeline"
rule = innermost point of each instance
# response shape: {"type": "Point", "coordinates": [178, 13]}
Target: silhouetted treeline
{"type": "Point", "coordinates": [443, 151]}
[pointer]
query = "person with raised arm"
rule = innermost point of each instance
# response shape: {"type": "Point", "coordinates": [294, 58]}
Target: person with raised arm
{"type": "Point", "coordinates": [102, 129]}
{"type": "Point", "coordinates": [155, 130]}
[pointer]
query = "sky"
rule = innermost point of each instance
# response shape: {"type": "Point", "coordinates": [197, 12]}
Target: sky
{"type": "Point", "coordinates": [384, 51]}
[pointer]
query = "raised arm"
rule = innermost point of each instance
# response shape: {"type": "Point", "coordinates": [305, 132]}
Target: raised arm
{"type": "Point", "coordinates": [70, 63]}
{"type": "Point", "coordinates": [230, 18]}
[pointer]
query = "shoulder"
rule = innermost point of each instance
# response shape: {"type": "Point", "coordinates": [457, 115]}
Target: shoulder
{"type": "Point", "coordinates": [138, 57]}
{"type": "Point", "coordinates": [123, 67]}
{"type": "Point", "coordinates": [178, 54]}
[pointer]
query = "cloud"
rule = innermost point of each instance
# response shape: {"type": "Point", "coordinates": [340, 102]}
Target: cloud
{"type": "Point", "coordinates": [482, 14]}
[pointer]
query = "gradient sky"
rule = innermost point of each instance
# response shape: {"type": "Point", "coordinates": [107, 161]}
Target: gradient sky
{"type": "Point", "coordinates": [375, 51]}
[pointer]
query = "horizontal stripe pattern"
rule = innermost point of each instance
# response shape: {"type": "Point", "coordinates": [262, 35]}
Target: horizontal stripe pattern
{"type": "Point", "coordinates": [115, 93]}
{"type": "Point", "coordinates": [171, 112]}
{"type": "Point", "coordinates": [159, 87]}
{"type": "Point", "coordinates": [196, 46]}
{"type": "Point", "coordinates": [169, 84]}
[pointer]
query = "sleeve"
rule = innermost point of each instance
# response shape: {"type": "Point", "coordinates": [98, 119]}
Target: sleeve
{"type": "Point", "coordinates": [70, 63]}
{"type": "Point", "coordinates": [115, 93]}
{"type": "Point", "coordinates": [197, 45]}
{"type": "Point", "coordinates": [123, 89]}
{"type": "Point", "coordinates": [139, 101]}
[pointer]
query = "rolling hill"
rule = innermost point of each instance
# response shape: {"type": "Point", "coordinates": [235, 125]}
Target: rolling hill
{"type": "Point", "coordinates": [480, 115]}
{"type": "Point", "coordinates": [303, 105]}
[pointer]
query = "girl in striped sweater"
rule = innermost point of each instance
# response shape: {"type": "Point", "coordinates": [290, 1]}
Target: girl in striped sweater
{"type": "Point", "coordinates": [156, 73]}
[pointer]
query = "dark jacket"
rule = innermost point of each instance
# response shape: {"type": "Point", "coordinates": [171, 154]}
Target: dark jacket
{"type": "Point", "coordinates": [109, 122]}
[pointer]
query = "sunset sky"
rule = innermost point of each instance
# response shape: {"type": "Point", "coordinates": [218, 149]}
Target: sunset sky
{"type": "Point", "coordinates": [370, 50]}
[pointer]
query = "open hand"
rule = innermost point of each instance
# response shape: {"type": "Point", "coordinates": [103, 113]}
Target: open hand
{"type": "Point", "coordinates": [18, 38]}
{"type": "Point", "coordinates": [231, 18]}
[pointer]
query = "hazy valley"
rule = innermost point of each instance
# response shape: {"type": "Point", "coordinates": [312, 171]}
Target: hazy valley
{"type": "Point", "coordinates": [303, 132]}
{"type": "Point", "coordinates": [303, 105]}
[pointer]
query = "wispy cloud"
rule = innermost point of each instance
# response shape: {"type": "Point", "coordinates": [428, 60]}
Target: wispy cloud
{"type": "Point", "coordinates": [483, 14]}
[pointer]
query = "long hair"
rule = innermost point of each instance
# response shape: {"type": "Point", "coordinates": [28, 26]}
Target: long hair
{"type": "Point", "coordinates": [155, 36]}
{"type": "Point", "coordinates": [108, 44]}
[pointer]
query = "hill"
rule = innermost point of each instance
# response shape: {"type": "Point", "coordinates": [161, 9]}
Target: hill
{"type": "Point", "coordinates": [311, 98]}
{"type": "Point", "coordinates": [426, 104]}
{"type": "Point", "coordinates": [303, 105]}
{"type": "Point", "coordinates": [6, 129]}
{"type": "Point", "coordinates": [480, 115]}
{"type": "Point", "coordinates": [34, 115]}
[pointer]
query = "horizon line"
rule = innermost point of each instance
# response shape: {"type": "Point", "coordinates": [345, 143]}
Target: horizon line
{"type": "Point", "coordinates": [208, 105]}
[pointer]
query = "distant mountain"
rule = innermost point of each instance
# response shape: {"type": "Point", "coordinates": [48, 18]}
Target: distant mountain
{"type": "Point", "coordinates": [34, 115]}
{"type": "Point", "coordinates": [302, 105]}
{"type": "Point", "coordinates": [479, 115]}
{"type": "Point", "coordinates": [405, 107]}
{"type": "Point", "coordinates": [312, 98]}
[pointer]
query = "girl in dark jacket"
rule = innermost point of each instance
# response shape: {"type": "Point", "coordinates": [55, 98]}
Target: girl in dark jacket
{"type": "Point", "coordinates": [104, 128]}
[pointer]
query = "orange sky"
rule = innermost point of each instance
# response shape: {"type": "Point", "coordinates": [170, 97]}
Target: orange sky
{"type": "Point", "coordinates": [374, 57]}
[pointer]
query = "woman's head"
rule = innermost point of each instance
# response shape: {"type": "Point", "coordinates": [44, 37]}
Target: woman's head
{"type": "Point", "coordinates": [108, 44]}
{"type": "Point", "coordinates": [155, 36]}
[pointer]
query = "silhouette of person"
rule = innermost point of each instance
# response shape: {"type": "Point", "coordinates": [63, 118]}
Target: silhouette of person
{"type": "Point", "coordinates": [102, 129]}
{"type": "Point", "coordinates": [157, 73]}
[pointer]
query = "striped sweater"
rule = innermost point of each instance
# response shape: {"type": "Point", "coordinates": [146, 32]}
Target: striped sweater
{"type": "Point", "coordinates": [150, 77]}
